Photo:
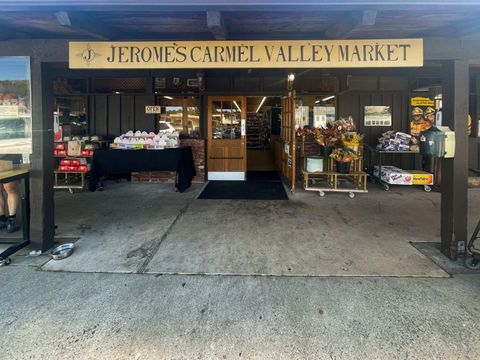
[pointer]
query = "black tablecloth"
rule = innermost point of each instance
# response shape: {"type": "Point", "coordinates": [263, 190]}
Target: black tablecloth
{"type": "Point", "coordinates": [107, 162]}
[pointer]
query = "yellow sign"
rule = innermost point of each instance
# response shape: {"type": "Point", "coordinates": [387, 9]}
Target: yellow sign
{"type": "Point", "coordinates": [422, 101]}
{"type": "Point", "coordinates": [247, 54]}
{"type": "Point", "coordinates": [421, 177]}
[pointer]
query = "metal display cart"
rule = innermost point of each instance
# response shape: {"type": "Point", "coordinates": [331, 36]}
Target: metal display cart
{"type": "Point", "coordinates": [333, 181]}
{"type": "Point", "coordinates": [72, 180]}
{"type": "Point", "coordinates": [379, 156]}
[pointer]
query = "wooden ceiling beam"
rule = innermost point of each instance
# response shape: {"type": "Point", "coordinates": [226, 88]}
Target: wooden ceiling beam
{"type": "Point", "coordinates": [343, 28]}
{"type": "Point", "coordinates": [369, 18]}
{"type": "Point", "coordinates": [245, 5]}
{"type": "Point", "coordinates": [216, 24]}
{"type": "Point", "coordinates": [85, 24]}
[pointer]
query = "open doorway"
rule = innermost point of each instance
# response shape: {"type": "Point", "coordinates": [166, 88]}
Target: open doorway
{"type": "Point", "coordinates": [263, 129]}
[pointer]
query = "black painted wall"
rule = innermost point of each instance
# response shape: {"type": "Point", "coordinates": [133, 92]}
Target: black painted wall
{"type": "Point", "coordinates": [112, 115]}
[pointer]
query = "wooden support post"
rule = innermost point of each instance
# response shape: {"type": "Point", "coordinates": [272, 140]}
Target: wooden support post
{"type": "Point", "coordinates": [455, 171]}
{"type": "Point", "coordinates": [42, 203]}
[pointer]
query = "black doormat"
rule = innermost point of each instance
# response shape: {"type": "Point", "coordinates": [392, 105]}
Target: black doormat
{"type": "Point", "coordinates": [263, 176]}
{"type": "Point", "coordinates": [244, 190]}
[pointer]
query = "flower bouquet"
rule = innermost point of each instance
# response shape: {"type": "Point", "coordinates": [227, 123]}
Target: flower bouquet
{"type": "Point", "coordinates": [351, 140]}
{"type": "Point", "coordinates": [343, 158]}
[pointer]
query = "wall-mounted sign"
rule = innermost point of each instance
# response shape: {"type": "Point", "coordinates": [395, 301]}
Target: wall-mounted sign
{"type": "Point", "coordinates": [422, 101]}
{"type": "Point", "coordinates": [378, 116]}
{"type": "Point", "coordinates": [153, 109]}
{"type": "Point", "coordinates": [247, 54]}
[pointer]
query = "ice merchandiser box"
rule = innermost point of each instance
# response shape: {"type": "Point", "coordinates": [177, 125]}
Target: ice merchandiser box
{"type": "Point", "coordinates": [438, 141]}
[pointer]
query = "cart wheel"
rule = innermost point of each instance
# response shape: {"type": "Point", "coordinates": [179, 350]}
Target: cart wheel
{"type": "Point", "coordinates": [351, 195]}
{"type": "Point", "coordinates": [472, 263]}
{"type": "Point", "coordinates": [5, 262]}
{"type": "Point", "coordinates": [321, 193]}
{"type": "Point", "coordinates": [386, 187]}
{"type": "Point", "coordinates": [427, 188]}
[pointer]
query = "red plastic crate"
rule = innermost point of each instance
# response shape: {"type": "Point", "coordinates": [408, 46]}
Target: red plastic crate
{"type": "Point", "coordinates": [63, 168]}
{"type": "Point", "coordinates": [83, 168]}
{"type": "Point", "coordinates": [65, 162]}
{"type": "Point", "coordinates": [60, 146]}
{"type": "Point", "coordinates": [87, 152]}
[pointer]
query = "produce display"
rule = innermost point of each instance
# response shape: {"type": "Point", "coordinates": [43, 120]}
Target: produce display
{"type": "Point", "coordinates": [166, 138]}
{"type": "Point", "coordinates": [397, 141]}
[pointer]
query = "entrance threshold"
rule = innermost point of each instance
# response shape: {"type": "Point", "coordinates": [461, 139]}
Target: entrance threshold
{"type": "Point", "coordinates": [226, 176]}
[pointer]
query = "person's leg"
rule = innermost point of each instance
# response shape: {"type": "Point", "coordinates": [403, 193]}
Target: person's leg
{"type": "Point", "coordinates": [3, 217]}
{"type": "Point", "coordinates": [13, 201]}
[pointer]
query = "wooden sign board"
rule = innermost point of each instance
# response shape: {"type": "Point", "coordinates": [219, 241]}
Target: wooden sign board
{"type": "Point", "coordinates": [247, 54]}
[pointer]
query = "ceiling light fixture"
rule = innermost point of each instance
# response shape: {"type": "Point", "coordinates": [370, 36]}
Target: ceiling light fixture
{"type": "Point", "coordinates": [261, 103]}
{"type": "Point", "coordinates": [168, 97]}
{"type": "Point", "coordinates": [236, 104]}
{"type": "Point", "coordinates": [328, 98]}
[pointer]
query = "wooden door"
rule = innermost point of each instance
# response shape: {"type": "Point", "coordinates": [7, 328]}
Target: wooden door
{"type": "Point", "coordinates": [287, 156]}
{"type": "Point", "coordinates": [227, 151]}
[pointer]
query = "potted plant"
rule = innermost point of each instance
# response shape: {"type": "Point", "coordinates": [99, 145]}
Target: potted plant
{"type": "Point", "coordinates": [343, 158]}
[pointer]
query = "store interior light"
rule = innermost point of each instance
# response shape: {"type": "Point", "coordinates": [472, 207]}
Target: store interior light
{"type": "Point", "coordinates": [117, 92]}
{"type": "Point", "coordinates": [328, 98]}
{"type": "Point", "coordinates": [291, 77]}
{"type": "Point", "coordinates": [261, 104]}
{"type": "Point", "coordinates": [317, 101]}
{"type": "Point", "coordinates": [236, 105]}
{"type": "Point", "coordinates": [168, 97]}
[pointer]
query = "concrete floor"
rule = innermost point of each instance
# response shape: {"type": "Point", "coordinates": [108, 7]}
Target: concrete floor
{"type": "Point", "coordinates": [150, 228]}
{"type": "Point", "coordinates": [100, 310]}
{"type": "Point", "coordinates": [120, 228]}
{"type": "Point", "coordinates": [47, 315]}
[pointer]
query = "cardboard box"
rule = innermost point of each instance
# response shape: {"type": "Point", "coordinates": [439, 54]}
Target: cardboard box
{"type": "Point", "coordinates": [421, 177]}
{"type": "Point", "coordinates": [74, 148]}
{"type": "Point", "coordinates": [395, 176]}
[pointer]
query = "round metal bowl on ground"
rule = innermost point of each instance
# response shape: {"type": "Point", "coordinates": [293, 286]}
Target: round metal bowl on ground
{"type": "Point", "coordinates": [63, 251]}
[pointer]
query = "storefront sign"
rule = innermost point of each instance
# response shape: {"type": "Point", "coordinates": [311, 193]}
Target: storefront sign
{"type": "Point", "coordinates": [247, 54]}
